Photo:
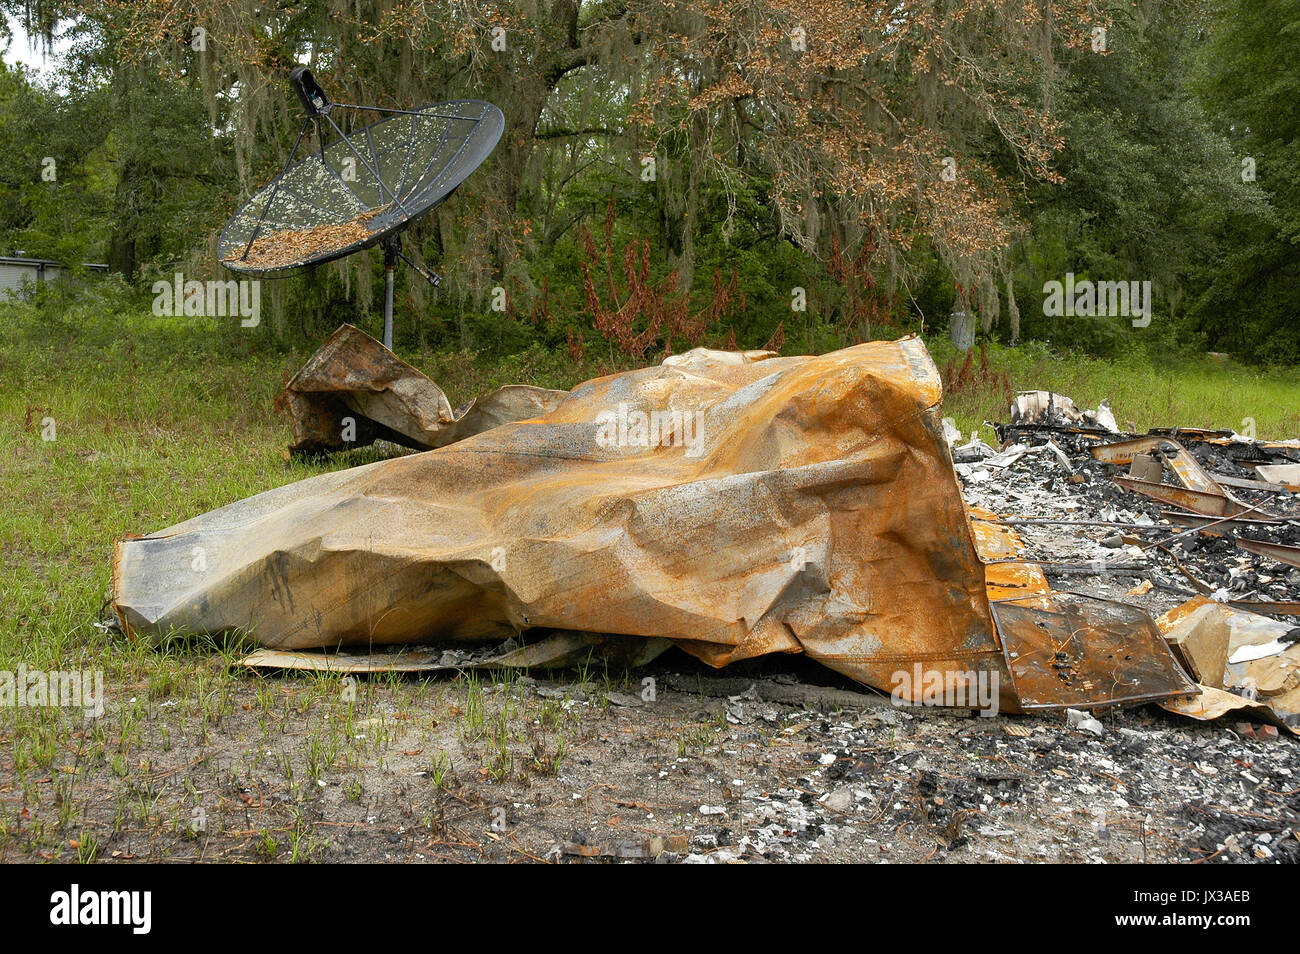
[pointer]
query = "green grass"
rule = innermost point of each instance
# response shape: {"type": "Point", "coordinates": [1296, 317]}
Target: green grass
{"type": "Point", "coordinates": [1194, 392]}
{"type": "Point", "coordinates": [157, 420]}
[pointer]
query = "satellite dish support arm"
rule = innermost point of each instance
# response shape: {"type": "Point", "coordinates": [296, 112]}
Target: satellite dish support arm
{"type": "Point", "coordinates": [374, 172]}
{"type": "Point", "coordinates": [430, 276]}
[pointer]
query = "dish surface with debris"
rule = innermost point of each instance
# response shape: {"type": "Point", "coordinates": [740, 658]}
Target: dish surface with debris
{"type": "Point", "coordinates": [351, 193]}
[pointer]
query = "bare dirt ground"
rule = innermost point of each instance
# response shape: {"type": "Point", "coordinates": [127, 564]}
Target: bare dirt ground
{"type": "Point", "coordinates": [240, 766]}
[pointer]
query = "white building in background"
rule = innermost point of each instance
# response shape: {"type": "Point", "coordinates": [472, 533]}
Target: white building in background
{"type": "Point", "coordinates": [15, 271]}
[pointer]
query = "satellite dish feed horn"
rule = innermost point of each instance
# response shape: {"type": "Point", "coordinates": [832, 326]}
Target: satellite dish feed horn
{"type": "Point", "coordinates": [313, 98]}
{"type": "Point", "coordinates": [361, 189]}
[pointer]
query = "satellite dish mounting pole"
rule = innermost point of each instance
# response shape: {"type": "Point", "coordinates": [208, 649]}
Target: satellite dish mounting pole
{"type": "Point", "coordinates": [390, 264]}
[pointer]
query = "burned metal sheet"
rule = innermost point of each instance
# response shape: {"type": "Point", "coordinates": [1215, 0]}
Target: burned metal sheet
{"type": "Point", "coordinates": [781, 504]}
{"type": "Point", "coordinates": [1185, 467]}
{"type": "Point", "coordinates": [1218, 527]}
{"type": "Point", "coordinates": [1006, 575]}
{"type": "Point", "coordinates": [1071, 650]}
{"type": "Point", "coordinates": [1198, 501]}
{"type": "Point", "coordinates": [1215, 703]}
{"type": "Point", "coordinates": [354, 391]}
{"type": "Point", "coordinates": [1085, 632]}
{"type": "Point", "coordinates": [1200, 641]}
{"type": "Point", "coordinates": [1268, 607]}
{"type": "Point", "coordinates": [557, 651]}
{"type": "Point", "coordinates": [1199, 493]}
{"type": "Point", "coordinates": [1274, 551]}
{"type": "Point", "coordinates": [1263, 681]}
{"type": "Point", "coordinates": [1245, 483]}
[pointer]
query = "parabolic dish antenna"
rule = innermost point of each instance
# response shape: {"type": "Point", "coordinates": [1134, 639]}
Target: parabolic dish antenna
{"type": "Point", "coordinates": [361, 189]}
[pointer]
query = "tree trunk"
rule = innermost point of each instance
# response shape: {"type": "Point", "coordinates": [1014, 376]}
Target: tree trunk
{"type": "Point", "coordinates": [961, 329]}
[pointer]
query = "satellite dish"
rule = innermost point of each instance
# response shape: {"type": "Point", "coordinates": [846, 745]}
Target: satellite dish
{"type": "Point", "coordinates": [362, 189]}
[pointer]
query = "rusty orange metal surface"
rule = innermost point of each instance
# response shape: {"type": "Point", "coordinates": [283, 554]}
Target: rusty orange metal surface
{"type": "Point", "coordinates": [997, 542]}
{"type": "Point", "coordinates": [1197, 501]}
{"type": "Point", "coordinates": [1064, 649]}
{"type": "Point", "coordinates": [817, 511]}
{"type": "Point", "coordinates": [354, 391]}
{"type": "Point", "coordinates": [1186, 467]}
{"type": "Point", "coordinates": [1273, 677]}
{"type": "Point", "coordinates": [1200, 492]}
{"type": "Point", "coordinates": [1068, 649]}
{"type": "Point", "coordinates": [781, 504]}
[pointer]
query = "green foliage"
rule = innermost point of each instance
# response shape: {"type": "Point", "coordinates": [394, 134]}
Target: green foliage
{"type": "Point", "coordinates": [1149, 186]}
{"type": "Point", "coordinates": [53, 178]}
{"type": "Point", "coordinates": [1249, 77]}
{"type": "Point", "coordinates": [1155, 132]}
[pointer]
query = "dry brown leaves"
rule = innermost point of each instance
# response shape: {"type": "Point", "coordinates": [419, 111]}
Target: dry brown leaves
{"type": "Point", "coordinates": [292, 246]}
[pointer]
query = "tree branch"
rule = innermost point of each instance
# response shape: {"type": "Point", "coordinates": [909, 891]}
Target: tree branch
{"type": "Point", "coordinates": [565, 133]}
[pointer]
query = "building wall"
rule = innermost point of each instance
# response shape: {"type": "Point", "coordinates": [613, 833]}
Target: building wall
{"type": "Point", "coordinates": [13, 274]}
{"type": "Point", "coordinates": [15, 271]}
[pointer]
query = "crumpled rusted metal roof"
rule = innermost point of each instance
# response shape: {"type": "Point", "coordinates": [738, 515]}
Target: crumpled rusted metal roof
{"type": "Point", "coordinates": [353, 391]}
{"type": "Point", "coordinates": [815, 510]}
{"type": "Point", "coordinates": [736, 504]}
